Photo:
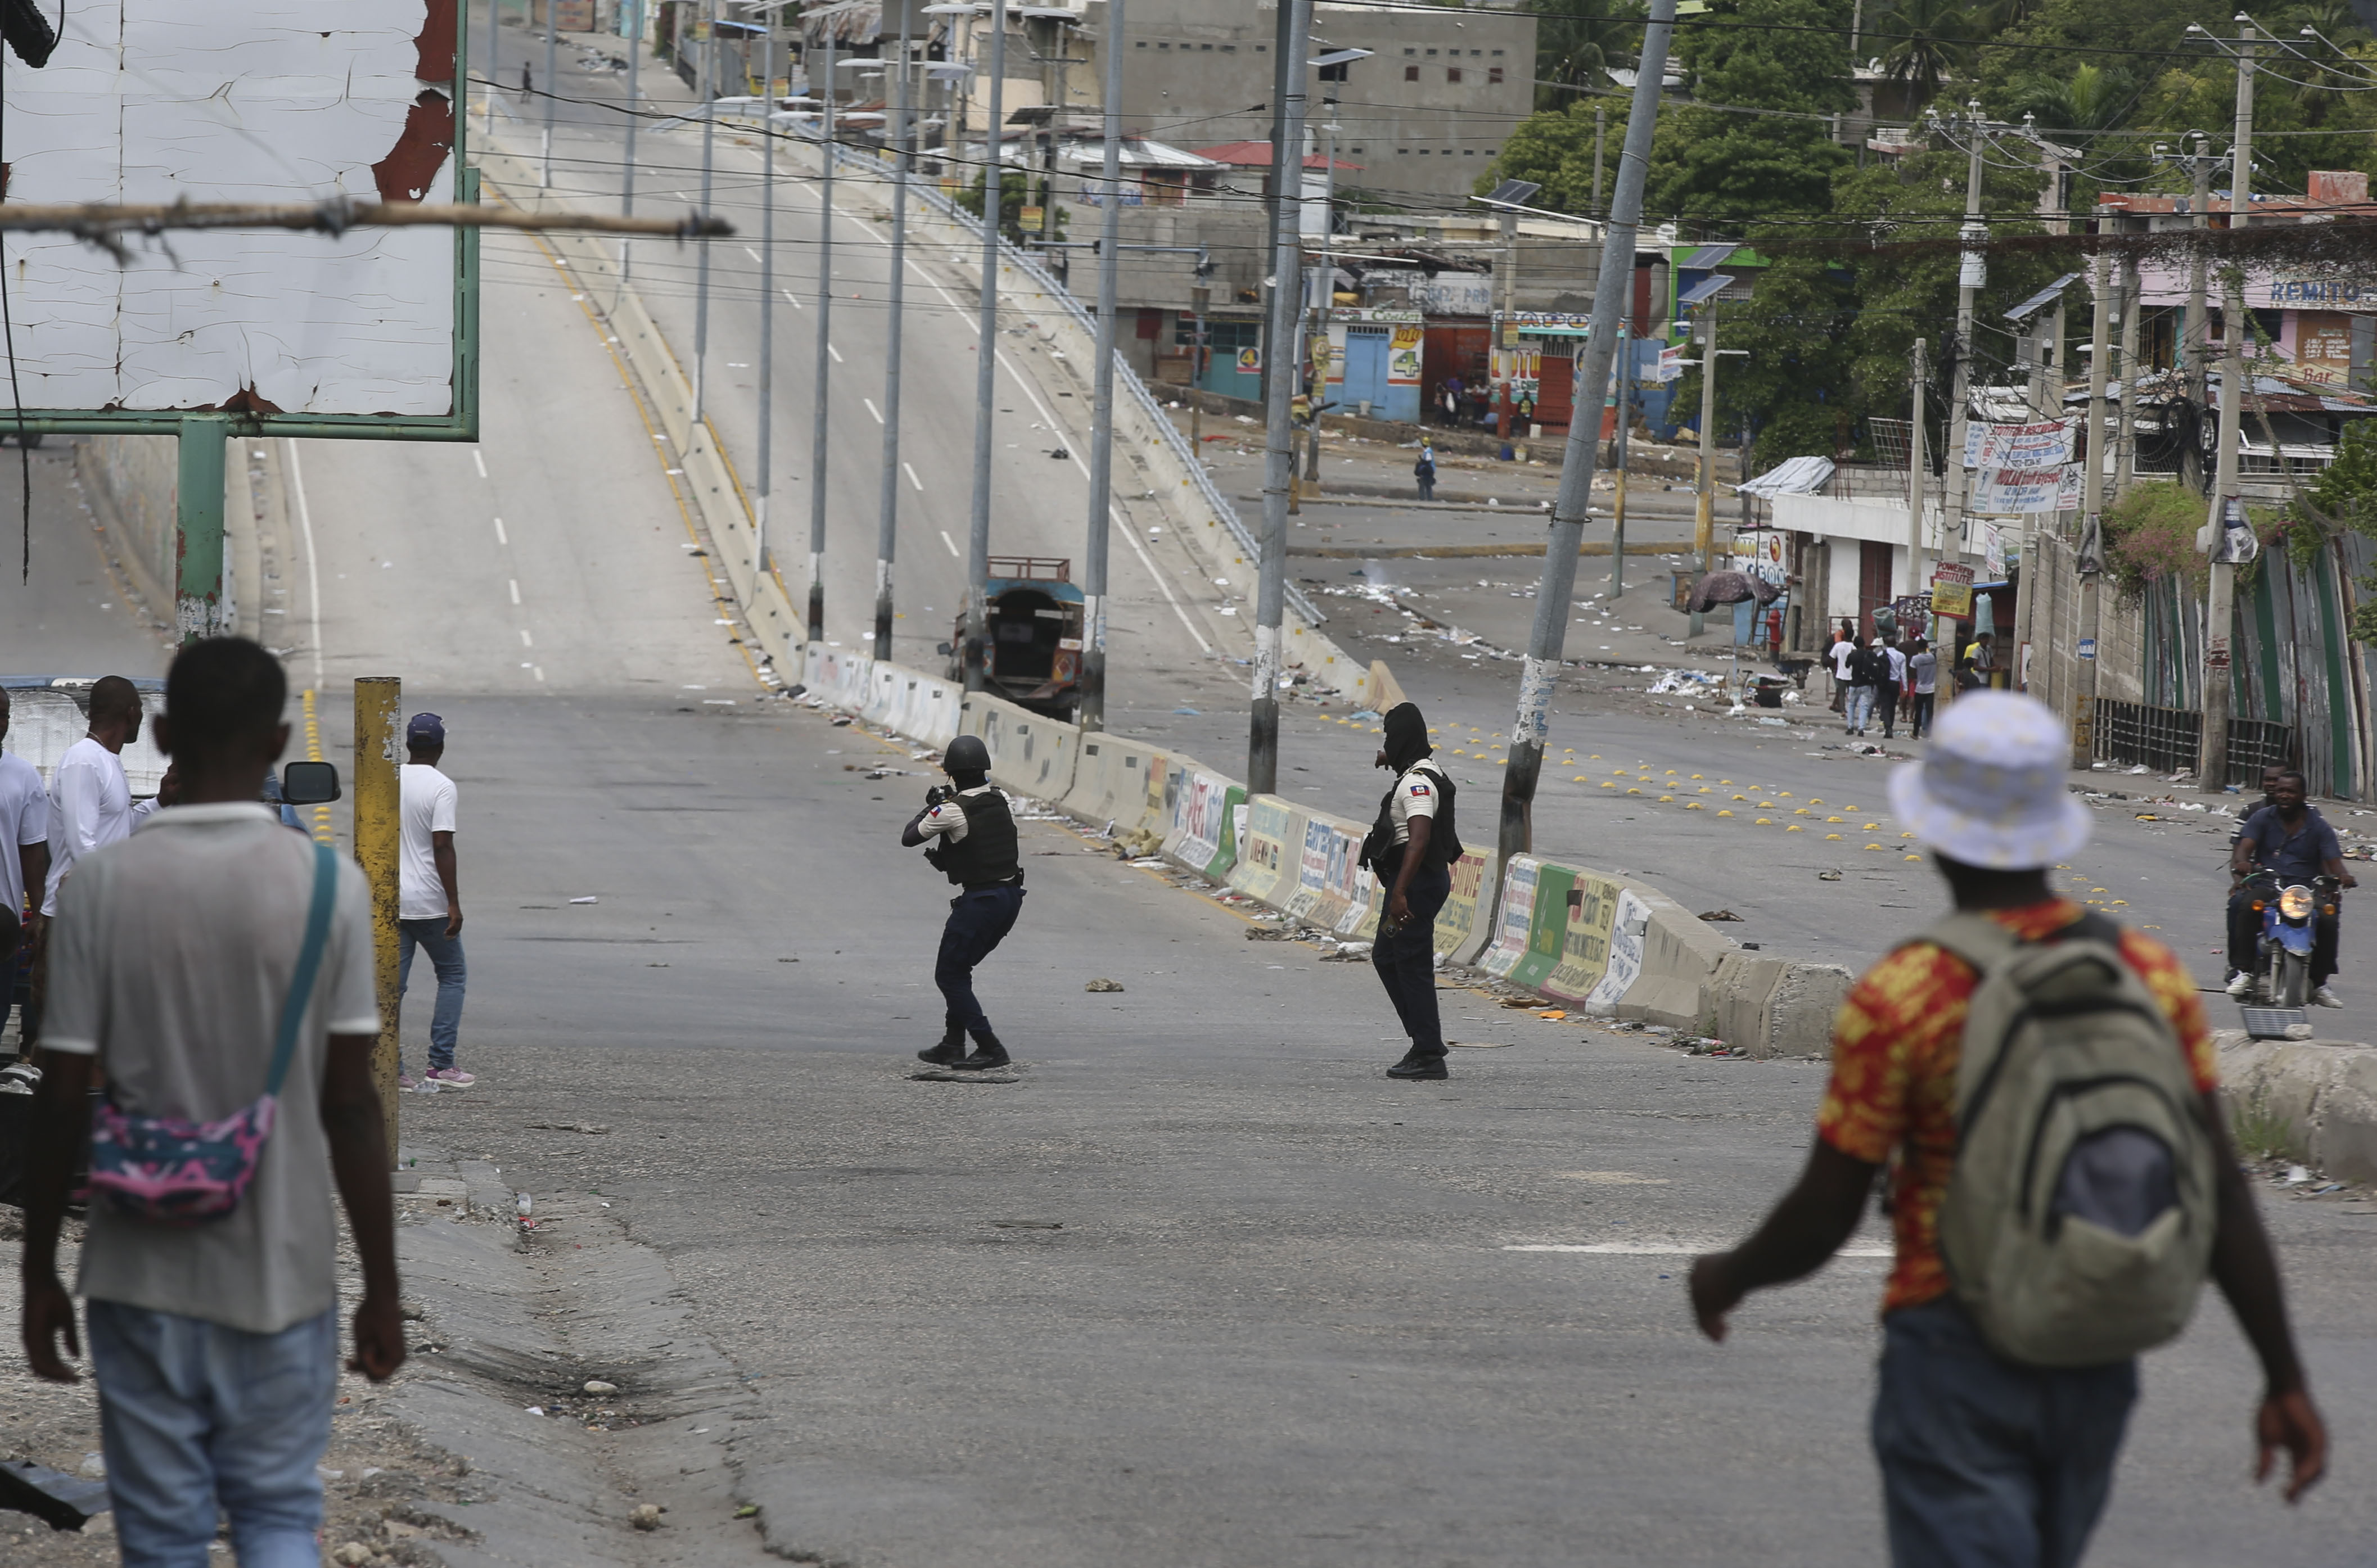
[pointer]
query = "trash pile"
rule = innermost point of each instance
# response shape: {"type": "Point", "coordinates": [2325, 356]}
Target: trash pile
{"type": "Point", "coordinates": [1688, 683]}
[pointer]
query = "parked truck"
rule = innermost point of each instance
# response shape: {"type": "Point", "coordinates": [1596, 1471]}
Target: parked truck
{"type": "Point", "coordinates": [1033, 631]}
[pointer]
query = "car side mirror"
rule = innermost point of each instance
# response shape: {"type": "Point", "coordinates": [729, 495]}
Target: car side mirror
{"type": "Point", "coordinates": [309, 783]}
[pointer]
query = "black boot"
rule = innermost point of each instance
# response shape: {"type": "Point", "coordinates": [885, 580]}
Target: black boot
{"type": "Point", "coordinates": [1419, 1064]}
{"type": "Point", "coordinates": [949, 1052]}
{"type": "Point", "coordinates": [987, 1052]}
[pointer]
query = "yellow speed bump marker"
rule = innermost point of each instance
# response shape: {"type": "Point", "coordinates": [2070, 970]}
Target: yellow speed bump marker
{"type": "Point", "coordinates": [1831, 836]}
{"type": "Point", "coordinates": [1873, 846]}
{"type": "Point", "coordinates": [1665, 800]}
{"type": "Point", "coordinates": [1914, 857]}
{"type": "Point", "coordinates": [1694, 806]}
{"type": "Point", "coordinates": [1795, 828]}
{"type": "Point", "coordinates": [1726, 812]}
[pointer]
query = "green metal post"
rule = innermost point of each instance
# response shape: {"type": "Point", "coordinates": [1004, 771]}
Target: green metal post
{"type": "Point", "coordinates": [199, 526]}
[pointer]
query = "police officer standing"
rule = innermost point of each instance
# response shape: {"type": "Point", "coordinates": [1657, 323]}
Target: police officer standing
{"type": "Point", "coordinates": [972, 835]}
{"type": "Point", "coordinates": [1411, 849]}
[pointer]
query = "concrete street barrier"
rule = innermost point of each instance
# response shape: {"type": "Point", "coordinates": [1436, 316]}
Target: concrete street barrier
{"type": "Point", "coordinates": [1203, 831]}
{"type": "Point", "coordinates": [1031, 754]}
{"type": "Point", "coordinates": [1773, 1006]}
{"type": "Point", "coordinates": [1268, 849]}
{"type": "Point", "coordinates": [1465, 924]}
{"type": "Point", "coordinates": [1514, 916]}
{"type": "Point", "coordinates": [1329, 883]}
{"type": "Point", "coordinates": [2314, 1099]}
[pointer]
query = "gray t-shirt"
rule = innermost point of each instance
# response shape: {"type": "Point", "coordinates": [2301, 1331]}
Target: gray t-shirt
{"type": "Point", "coordinates": [171, 958]}
{"type": "Point", "coordinates": [1923, 668]}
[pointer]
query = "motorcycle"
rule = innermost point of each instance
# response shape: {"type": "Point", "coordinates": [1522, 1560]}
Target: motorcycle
{"type": "Point", "coordinates": [2282, 976]}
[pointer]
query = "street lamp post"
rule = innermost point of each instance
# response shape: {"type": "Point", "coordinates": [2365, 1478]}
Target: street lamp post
{"type": "Point", "coordinates": [888, 524]}
{"type": "Point", "coordinates": [1092, 711]}
{"type": "Point", "coordinates": [819, 447]}
{"type": "Point", "coordinates": [701, 259]}
{"type": "Point", "coordinates": [977, 610]}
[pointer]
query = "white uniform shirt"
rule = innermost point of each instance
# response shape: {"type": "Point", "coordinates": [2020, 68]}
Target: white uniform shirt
{"type": "Point", "coordinates": [1416, 793]}
{"type": "Point", "coordinates": [171, 961]}
{"type": "Point", "coordinates": [425, 805]}
{"type": "Point", "coordinates": [949, 819]}
{"type": "Point", "coordinates": [24, 819]}
{"type": "Point", "coordinates": [1842, 651]}
{"type": "Point", "coordinates": [90, 807]}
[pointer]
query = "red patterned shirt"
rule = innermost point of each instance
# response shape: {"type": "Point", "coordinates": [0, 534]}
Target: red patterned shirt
{"type": "Point", "coordinates": [1896, 1052]}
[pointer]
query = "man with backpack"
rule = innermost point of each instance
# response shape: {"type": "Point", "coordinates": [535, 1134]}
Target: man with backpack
{"type": "Point", "coordinates": [2064, 1181]}
{"type": "Point", "coordinates": [1411, 849]}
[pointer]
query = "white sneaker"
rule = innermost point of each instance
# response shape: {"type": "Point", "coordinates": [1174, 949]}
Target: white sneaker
{"type": "Point", "coordinates": [2326, 996]}
{"type": "Point", "coordinates": [2242, 986]}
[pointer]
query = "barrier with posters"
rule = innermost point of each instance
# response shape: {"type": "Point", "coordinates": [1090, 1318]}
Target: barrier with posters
{"type": "Point", "coordinates": [1203, 836]}
{"type": "Point", "coordinates": [1462, 926]}
{"type": "Point", "coordinates": [1514, 915]}
{"type": "Point", "coordinates": [1269, 851]}
{"type": "Point", "coordinates": [1591, 912]}
{"type": "Point", "coordinates": [1329, 880]}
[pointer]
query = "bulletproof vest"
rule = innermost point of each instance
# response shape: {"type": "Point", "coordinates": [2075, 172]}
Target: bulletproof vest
{"type": "Point", "coordinates": [987, 854]}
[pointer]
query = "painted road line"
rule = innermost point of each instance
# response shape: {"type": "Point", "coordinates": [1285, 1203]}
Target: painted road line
{"type": "Point", "coordinates": [1668, 1249]}
{"type": "Point", "coordinates": [749, 251]}
{"type": "Point", "coordinates": [481, 458]}
{"type": "Point", "coordinates": [312, 568]}
{"type": "Point", "coordinates": [950, 542]}
{"type": "Point", "coordinates": [835, 352]}
{"type": "Point", "coordinates": [873, 409]}
{"type": "Point", "coordinates": [502, 538]}
{"type": "Point", "coordinates": [909, 468]}
{"type": "Point", "coordinates": [526, 641]}
{"type": "Point", "coordinates": [795, 300]}
{"type": "Point", "coordinates": [514, 586]}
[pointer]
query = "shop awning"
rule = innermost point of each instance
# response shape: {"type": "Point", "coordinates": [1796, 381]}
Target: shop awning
{"type": "Point", "coordinates": [1798, 476]}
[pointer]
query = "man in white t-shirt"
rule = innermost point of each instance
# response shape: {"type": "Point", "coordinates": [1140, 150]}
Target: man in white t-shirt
{"type": "Point", "coordinates": [24, 863]}
{"type": "Point", "coordinates": [90, 802]}
{"type": "Point", "coordinates": [171, 959]}
{"type": "Point", "coordinates": [429, 900]}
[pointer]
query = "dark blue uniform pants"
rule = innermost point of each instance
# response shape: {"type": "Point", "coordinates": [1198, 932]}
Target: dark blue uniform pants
{"type": "Point", "coordinates": [1407, 960]}
{"type": "Point", "coordinates": [980, 919]}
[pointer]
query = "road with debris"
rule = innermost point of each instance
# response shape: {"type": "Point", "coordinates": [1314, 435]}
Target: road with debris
{"type": "Point", "coordinates": [1197, 1286]}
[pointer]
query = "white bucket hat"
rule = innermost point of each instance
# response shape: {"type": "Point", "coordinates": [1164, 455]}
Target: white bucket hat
{"type": "Point", "coordinates": [1991, 791]}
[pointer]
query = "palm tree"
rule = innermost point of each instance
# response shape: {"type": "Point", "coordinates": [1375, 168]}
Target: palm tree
{"type": "Point", "coordinates": [1929, 41]}
{"type": "Point", "coordinates": [2080, 108]}
{"type": "Point", "coordinates": [1572, 49]}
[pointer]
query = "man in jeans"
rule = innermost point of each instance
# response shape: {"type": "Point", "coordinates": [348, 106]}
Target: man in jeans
{"type": "Point", "coordinates": [1988, 1463]}
{"type": "Point", "coordinates": [172, 956]}
{"type": "Point", "coordinates": [429, 902]}
{"type": "Point", "coordinates": [1922, 688]}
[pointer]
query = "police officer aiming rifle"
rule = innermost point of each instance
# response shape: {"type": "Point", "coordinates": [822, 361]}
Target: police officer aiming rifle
{"type": "Point", "coordinates": [972, 839]}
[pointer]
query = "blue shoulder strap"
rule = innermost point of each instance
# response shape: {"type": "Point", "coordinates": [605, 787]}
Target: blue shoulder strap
{"type": "Point", "coordinates": [309, 963]}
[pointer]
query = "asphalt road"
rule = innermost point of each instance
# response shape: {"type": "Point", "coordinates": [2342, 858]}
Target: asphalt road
{"type": "Point", "coordinates": [1200, 1286]}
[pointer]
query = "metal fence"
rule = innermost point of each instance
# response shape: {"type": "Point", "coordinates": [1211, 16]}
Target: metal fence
{"type": "Point", "coordinates": [2168, 739]}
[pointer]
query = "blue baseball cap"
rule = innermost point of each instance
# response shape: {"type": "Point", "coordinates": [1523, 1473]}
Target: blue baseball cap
{"type": "Point", "coordinates": [427, 729]}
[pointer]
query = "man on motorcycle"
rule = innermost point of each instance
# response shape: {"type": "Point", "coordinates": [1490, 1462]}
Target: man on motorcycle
{"type": "Point", "coordinates": [2292, 841]}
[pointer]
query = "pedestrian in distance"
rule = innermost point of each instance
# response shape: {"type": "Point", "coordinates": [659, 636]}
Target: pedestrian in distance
{"type": "Point", "coordinates": [1922, 689]}
{"type": "Point", "coordinates": [1836, 659]}
{"type": "Point", "coordinates": [1411, 849]}
{"type": "Point", "coordinates": [24, 880]}
{"type": "Point", "coordinates": [970, 839]}
{"type": "Point", "coordinates": [1886, 691]}
{"type": "Point", "coordinates": [90, 801]}
{"type": "Point", "coordinates": [429, 897]}
{"type": "Point", "coordinates": [214, 956]}
{"type": "Point", "coordinates": [528, 82]}
{"type": "Point", "coordinates": [2063, 1181]}
{"type": "Point", "coordinates": [1868, 669]}
{"type": "Point", "coordinates": [1425, 471]}
{"type": "Point", "coordinates": [1967, 678]}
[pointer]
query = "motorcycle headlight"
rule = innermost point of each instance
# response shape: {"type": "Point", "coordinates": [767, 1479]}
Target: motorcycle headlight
{"type": "Point", "coordinates": [2295, 903]}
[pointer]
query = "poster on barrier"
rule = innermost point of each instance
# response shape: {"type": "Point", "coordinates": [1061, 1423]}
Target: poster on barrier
{"type": "Point", "coordinates": [1545, 932]}
{"type": "Point", "coordinates": [1585, 939]}
{"type": "Point", "coordinates": [1327, 876]}
{"type": "Point", "coordinates": [1630, 921]}
{"type": "Point", "coordinates": [1201, 816]}
{"type": "Point", "coordinates": [1456, 923]}
{"type": "Point", "coordinates": [1512, 918]}
{"type": "Point", "coordinates": [1265, 866]}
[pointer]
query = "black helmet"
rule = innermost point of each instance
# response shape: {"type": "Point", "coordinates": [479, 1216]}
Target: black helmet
{"type": "Point", "coordinates": [966, 755]}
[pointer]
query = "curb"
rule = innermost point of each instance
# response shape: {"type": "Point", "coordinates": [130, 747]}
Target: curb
{"type": "Point", "coordinates": [2321, 1095]}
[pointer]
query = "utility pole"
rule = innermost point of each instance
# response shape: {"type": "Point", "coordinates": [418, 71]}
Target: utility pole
{"type": "Point", "coordinates": [1324, 300]}
{"type": "Point", "coordinates": [1540, 674]}
{"type": "Point", "coordinates": [2191, 457]}
{"type": "Point", "coordinates": [701, 262]}
{"type": "Point", "coordinates": [1618, 497]}
{"type": "Point", "coordinates": [1506, 330]}
{"type": "Point", "coordinates": [1919, 472]}
{"type": "Point", "coordinates": [993, 195]}
{"type": "Point", "coordinates": [1972, 277]}
{"type": "Point", "coordinates": [2125, 448]}
{"type": "Point", "coordinates": [495, 57]}
{"type": "Point", "coordinates": [819, 447]}
{"type": "Point", "coordinates": [1092, 714]}
{"type": "Point", "coordinates": [886, 532]}
{"type": "Point", "coordinates": [2092, 504]}
{"type": "Point", "coordinates": [2212, 762]}
{"type": "Point", "coordinates": [552, 43]}
{"type": "Point", "coordinates": [767, 280]}
{"type": "Point", "coordinates": [1704, 501]}
{"type": "Point", "coordinates": [634, 41]}
{"type": "Point", "coordinates": [1279, 437]}
{"type": "Point", "coordinates": [1600, 135]}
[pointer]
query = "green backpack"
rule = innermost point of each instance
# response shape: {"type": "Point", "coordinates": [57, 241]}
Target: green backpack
{"type": "Point", "coordinates": [2079, 1218]}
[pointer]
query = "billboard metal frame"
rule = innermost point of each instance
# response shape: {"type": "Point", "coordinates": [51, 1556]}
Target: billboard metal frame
{"type": "Point", "coordinates": [199, 493]}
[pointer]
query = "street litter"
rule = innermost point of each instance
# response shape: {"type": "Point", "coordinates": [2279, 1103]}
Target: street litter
{"type": "Point", "coordinates": [1692, 682]}
{"type": "Point", "coordinates": [647, 1516]}
{"type": "Point", "coordinates": [1828, 876]}
{"type": "Point", "coordinates": [1102, 985]}
{"type": "Point", "coordinates": [596, 1386]}
{"type": "Point", "coordinates": [589, 898]}
{"type": "Point", "coordinates": [1720, 915]}
{"type": "Point", "coordinates": [2296, 1175]}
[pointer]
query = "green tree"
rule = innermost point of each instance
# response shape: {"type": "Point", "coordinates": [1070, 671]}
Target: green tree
{"type": "Point", "coordinates": [1793, 388]}
{"type": "Point", "coordinates": [1574, 47]}
{"type": "Point", "coordinates": [1724, 167]}
{"type": "Point", "coordinates": [1926, 42]}
{"type": "Point", "coordinates": [1014, 195]}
